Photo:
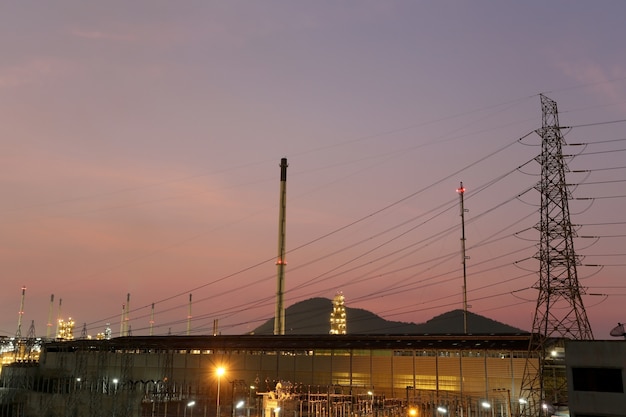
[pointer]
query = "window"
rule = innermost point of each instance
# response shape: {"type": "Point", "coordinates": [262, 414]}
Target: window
{"type": "Point", "coordinates": [598, 379]}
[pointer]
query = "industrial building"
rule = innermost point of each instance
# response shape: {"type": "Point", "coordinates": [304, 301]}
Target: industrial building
{"type": "Point", "coordinates": [596, 371]}
{"type": "Point", "coordinates": [317, 375]}
{"type": "Point", "coordinates": [340, 375]}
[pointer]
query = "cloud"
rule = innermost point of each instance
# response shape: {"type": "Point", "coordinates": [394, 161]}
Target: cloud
{"type": "Point", "coordinates": [31, 72]}
{"type": "Point", "coordinates": [600, 79]}
{"type": "Point", "coordinates": [145, 35]}
{"type": "Point", "coordinates": [107, 36]}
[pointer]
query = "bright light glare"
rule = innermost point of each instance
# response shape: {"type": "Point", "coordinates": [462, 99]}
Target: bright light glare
{"type": "Point", "coordinates": [412, 412]}
{"type": "Point", "coordinates": [523, 401]}
{"type": "Point", "coordinates": [239, 404]}
{"type": "Point", "coordinates": [486, 404]}
{"type": "Point", "coordinates": [191, 403]}
{"type": "Point", "coordinates": [442, 409]}
{"type": "Point", "coordinates": [220, 371]}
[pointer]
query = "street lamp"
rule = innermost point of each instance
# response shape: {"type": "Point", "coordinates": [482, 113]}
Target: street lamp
{"type": "Point", "coordinates": [115, 381]}
{"type": "Point", "coordinates": [487, 405]}
{"type": "Point", "coordinates": [252, 388]}
{"type": "Point", "coordinates": [239, 406]}
{"type": "Point", "coordinates": [219, 372]}
{"type": "Point", "coordinates": [190, 404]}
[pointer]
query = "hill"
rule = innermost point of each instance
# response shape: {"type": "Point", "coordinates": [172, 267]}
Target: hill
{"type": "Point", "coordinates": [452, 322]}
{"type": "Point", "coordinates": [312, 317]}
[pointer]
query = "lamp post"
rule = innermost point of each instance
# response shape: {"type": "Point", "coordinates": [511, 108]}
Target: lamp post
{"type": "Point", "coordinates": [252, 388]}
{"type": "Point", "coordinates": [190, 404]}
{"type": "Point", "coordinates": [487, 406]}
{"type": "Point", "coordinates": [115, 381]}
{"type": "Point", "coordinates": [239, 406]}
{"type": "Point", "coordinates": [219, 371]}
{"type": "Point", "coordinates": [509, 411]}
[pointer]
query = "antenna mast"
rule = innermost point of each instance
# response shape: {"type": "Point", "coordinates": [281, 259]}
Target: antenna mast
{"type": "Point", "coordinates": [461, 191]}
{"type": "Point", "coordinates": [279, 316]}
{"type": "Point", "coordinates": [560, 313]}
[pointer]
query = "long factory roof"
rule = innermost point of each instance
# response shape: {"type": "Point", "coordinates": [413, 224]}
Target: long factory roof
{"type": "Point", "coordinates": [508, 342]}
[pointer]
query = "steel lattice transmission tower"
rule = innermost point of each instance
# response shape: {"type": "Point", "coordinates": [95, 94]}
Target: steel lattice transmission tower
{"type": "Point", "coordinates": [560, 313]}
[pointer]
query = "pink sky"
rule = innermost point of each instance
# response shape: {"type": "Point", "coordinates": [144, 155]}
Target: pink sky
{"type": "Point", "coordinates": [141, 146]}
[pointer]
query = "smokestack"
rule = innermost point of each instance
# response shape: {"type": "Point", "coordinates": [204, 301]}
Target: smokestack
{"type": "Point", "coordinates": [279, 316]}
{"type": "Point", "coordinates": [59, 317]}
{"type": "Point", "coordinates": [122, 319]}
{"type": "Point", "coordinates": [49, 329]}
{"type": "Point", "coordinates": [189, 317]}
{"type": "Point", "coordinates": [18, 332]}
{"type": "Point", "coordinates": [152, 320]}
{"type": "Point", "coordinates": [127, 316]}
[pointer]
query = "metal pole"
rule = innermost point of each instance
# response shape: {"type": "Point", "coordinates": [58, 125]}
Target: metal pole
{"type": "Point", "coordinates": [461, 191]}
{"type": "Point", "coordinates": [217, 411]}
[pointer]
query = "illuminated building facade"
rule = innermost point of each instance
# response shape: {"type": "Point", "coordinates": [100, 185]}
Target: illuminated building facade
{"type": "Point", "coordinates": [338, 318]}
{"type": "Point", "coordinates": [65, 329]}
{"type": "Point", "coordinates": [158, 376]}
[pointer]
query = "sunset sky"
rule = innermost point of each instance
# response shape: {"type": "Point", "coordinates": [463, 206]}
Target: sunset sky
{"type": "Point", "coordinates": [141, 144]}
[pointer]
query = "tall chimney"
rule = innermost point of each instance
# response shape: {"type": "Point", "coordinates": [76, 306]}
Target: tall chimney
{"type": "Point", "coordinates": [279, 316]}
{"type": "Point", "coordinates": [18, 332]}
{"type": "Point", "coordinates": [189, 317]}
{"type": "Point", "coordinates": [49, 328]}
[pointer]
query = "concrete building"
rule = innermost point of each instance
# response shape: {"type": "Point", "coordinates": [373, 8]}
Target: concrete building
{"type": "Point", "coordinates": [320, 375]}
{"type": "Point", "coordinates": [596, 371]}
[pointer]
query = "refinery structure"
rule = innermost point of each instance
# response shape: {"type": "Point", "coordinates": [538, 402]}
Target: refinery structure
{"type": "Point", "coordinates": [332, 375]}
{"type": "Point", "coordinates": [318, 375]}
{"type": "Point", "coordinates": [336, 374]}
{"type": "Point", "coordinates": [338, 319]}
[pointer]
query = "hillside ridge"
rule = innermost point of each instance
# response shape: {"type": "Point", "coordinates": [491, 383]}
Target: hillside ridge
{"type": "Point", "coordinates": [312, 317]}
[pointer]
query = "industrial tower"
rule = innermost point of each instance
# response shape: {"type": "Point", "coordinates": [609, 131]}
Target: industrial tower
{"type": "Point", "coordinates": [279, 316]}
{"type": "Point", "coordinates": [559, 313]}
{"type": "Point", "coordinates": [338, 315]}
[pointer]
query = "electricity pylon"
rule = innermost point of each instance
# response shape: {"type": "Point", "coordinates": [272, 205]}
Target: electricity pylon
{"type": "Point", "coordinates": [560, 313]}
